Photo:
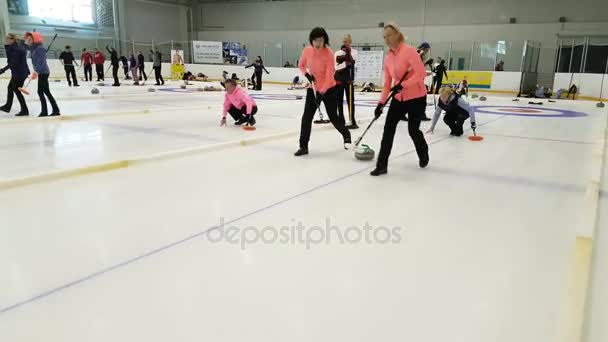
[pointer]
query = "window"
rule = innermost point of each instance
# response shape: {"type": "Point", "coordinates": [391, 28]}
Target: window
{"type": "Point", "coordinates": [80, 11]}
{"type": "Point", "coordinates": [501, 47]}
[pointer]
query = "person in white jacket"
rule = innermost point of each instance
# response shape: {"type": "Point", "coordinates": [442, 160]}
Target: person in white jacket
{"type": "Point", "coordinates": [345, 77]}
{"type": "Point", "coordinates": [457, 111]}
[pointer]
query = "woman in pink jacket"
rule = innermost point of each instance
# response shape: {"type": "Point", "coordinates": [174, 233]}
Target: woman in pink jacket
{"type": "Point", "coordinates": [317, 64]}
{"type": "Point", "coordinates": [239, 104]}
{"type": "Point", "coordinates": [410, 99]}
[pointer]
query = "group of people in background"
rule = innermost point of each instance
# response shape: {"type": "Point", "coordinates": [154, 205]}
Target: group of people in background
{"type": "Point", "coordinates": [133, 66]}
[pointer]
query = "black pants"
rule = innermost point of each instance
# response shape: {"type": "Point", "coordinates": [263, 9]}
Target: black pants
{"type": "Point", "coordinates": [158, 75]}
{"type": "Point", "coordinates": [455, 122]}
{"type": "Point", "coordinates": [237, 114]}
{"type": "Point", "coordinates": [13, 89]}
{"type": "Point", "coordinates": [257, 83]}
{"type": "Point", "coordinates": [349, 89]}
{"type": "Point", "coordinates": [115, 74]}
{"type": "Point", "coordinates": [142, 72]}
{"type": "Point", "coordinates": [439, 83]}
{"type": "Point", "coordinates": [44, 92]}
{"type": "Point", "coordinates": [415, 109]}
{"type": "Point", "coordinates": [70, 74]}
{"type": "Point", "coordinates": [100, 72]}
{"type": "Point", "coordinates": [310, 108]}
{"type": "Point", "coordinates": [88, 72]}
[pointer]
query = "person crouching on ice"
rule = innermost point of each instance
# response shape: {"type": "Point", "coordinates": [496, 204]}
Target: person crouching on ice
{"type": "Point", "coordinates": [457, 110]}
{"type": "Point", "coordinates": [239, 104]}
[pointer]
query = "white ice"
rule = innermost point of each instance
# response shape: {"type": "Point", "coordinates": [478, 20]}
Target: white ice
{"type": "Point", "coordinates": [486, 230]}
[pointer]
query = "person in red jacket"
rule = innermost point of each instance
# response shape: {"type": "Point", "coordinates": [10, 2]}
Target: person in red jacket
{"type": "Point", "coordinates": [87, 61]}
{"type": "Point", "coordinates": [402, 62]}
{"type": "Point", "coordinates": [99, 59]}
{"type": "Point", "coordinates": [317, 64]}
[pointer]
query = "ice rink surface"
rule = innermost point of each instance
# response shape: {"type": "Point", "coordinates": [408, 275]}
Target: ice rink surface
{"type": "Point", "coordinates": [484, 233]}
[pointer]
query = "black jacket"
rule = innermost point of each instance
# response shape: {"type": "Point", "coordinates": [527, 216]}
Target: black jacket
{"type": "Point", "coordinates": [16, 57]}
{"type": "Point", "coordinates": [141, 60]}
{"type": "Point", "coordinates": [441, 70]}
{"type": "Point", "coordinates": [259, 67]}
{"type": "Point", "coordinates": [113, 56]}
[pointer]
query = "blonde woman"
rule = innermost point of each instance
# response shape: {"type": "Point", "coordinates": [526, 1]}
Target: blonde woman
{"type": "Point", "coordinates": [457, 111]}
{"type": "Point", "coordinates": [402, 63]}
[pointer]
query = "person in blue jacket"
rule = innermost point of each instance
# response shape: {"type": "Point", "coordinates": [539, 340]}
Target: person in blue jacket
{"type": "Point", "coordinates": [41, 68]}
{"type": "Point", "coordinates": [16, 56]}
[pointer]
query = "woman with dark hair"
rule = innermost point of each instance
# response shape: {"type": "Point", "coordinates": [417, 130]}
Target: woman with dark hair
{"type": "Point", "coordinates": [317, 64]}
{"type": "Point", "coordinates": [402, 63]}
{"type": "Point", "coordinates": [16, 57]}
{"type": "Point", "coordinates": [238, 104]}
{"type": "Point", "coordinates": [258, 66]}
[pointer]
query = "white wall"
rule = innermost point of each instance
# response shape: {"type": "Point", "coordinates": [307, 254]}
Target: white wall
{"type": "Point", "coordinates": [437, 21]}
{"type": "Point", "coordinates": [589, 85]}
{"type": "Point", "coordinates": [506, 81]}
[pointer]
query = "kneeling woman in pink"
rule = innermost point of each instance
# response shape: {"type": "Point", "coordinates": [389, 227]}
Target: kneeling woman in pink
{"type": "Point", "coordinates": [239, 104]}
{"type": "Point", "coordinates": [402, 63]}
{"type": "Point", "coordinates": [317, 64]}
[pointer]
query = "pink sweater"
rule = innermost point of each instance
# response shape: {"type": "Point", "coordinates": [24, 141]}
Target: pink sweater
{"type": "Point", "coordinates": [320, 64]}
{"type": "Point", "coordinates": [238, 99]}
{"type": "Point", "coordinates": [396, 63]}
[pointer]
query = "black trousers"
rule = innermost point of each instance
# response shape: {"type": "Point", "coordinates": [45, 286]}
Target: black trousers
{"type": "Point", "coordinates": [349, 91]}
{"type": "Point", "coordinates": [158, 75]}
{"type": "Point", "coordinates": [310, 108]}
{"type": "Point", "coordinates": [237, 114]}
{"type": "Point", "coordinates": [455, 122]}
{"type": "Point", "coordinates": [415, 109]}
{"type": "Point", "coordinates": [115, 74]}
{"type": "Point", "coordinates": [88, 72]}
{"type": "Point", "coordinates": [13, 89]}
{"type": "Point", "coordinates": [100, 72]}
{"type": "Point", "coordinates": [70, 74]}
{"type": "Point", "coordinates": [257, 83]}
{"type": "Point", "coordinates": [142, 72]}
{"type": "Point", "coordinates": [44, 92]}
{"type": "Point", "coordinates": [438, 84]}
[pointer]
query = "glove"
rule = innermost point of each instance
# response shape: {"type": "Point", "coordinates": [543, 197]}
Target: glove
{"type": "Point", "coordinates": [397, 89]}
{"type": "Point", "coordinates": [378, 110]}
{"type": "Point", "coordinates": [310, 77]}
{"type": "Point", "coordinates": [250, 119]}
{"type": "Point", "coordinates": [223, 122]}
{"type": "Point", "coordinates": [473, 125]}
{"type": "Point", "coordinates": [340, 59]}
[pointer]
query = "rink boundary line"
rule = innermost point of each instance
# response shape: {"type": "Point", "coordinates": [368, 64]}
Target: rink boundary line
{"type": "Point", "coordinates": [577, 292]}
{"type": "Point", "coordinates": [119, 265]}
{"type": "Point", "coordinates": [63, 174]}
{"type": "Point", "coordinates": [120, 164]}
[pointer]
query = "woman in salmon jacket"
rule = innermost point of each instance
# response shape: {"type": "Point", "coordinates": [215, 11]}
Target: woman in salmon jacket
{"type": "Point", "coordinates": [317, 64]}
{"type": "Point", "coordinates": [402, 63]}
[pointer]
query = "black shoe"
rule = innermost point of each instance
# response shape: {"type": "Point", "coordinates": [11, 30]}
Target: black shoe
{"type": "Point", "coordinates": [22, 114]}
{"type": "Point", "coordinates": [163, 83]}
{"type": "Point", "coordinates": [115, 85]}
{"type": "Point", "coordinates": [43, 115]}
{"type": "Point", "coordinates": [424, 162]}
{"type": "Point", "coordinates": [76, 85]}
{"type": "Point", "coordinates": [5, 109]}
{"type": "Point", "coordinates": [241, 121]}
{"type": "Point", "coordinates": [426, 118]}
{"type": "Point", "coordinates": [55, 114]}
{"type": "Point", "coordinates": [300, 152]}
{"type": "Point", "coordinates": [157, 84]}
{"type": "Point", "coordinates": [353, 126]}
{"type": "Point", "coordinates": [378, 171]}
